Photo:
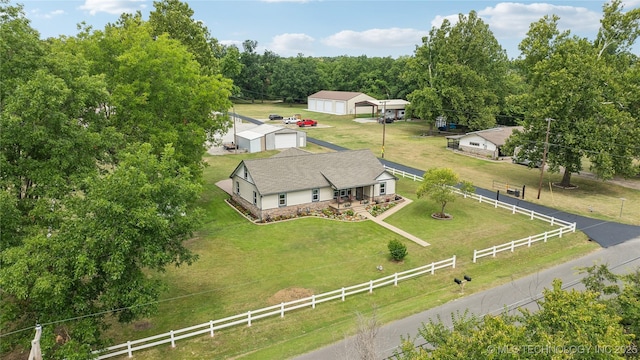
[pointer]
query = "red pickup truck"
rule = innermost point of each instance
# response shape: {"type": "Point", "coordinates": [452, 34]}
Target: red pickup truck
{"type": "Point", "coordinates": [306, 122]}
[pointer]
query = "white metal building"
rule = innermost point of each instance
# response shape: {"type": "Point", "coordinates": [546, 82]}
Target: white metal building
{"type": "Point", "coordinates": [337, 102]}
{"type": "Point", "coordinates": [268, 137]}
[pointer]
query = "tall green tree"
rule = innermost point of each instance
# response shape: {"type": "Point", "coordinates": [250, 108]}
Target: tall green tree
{"type": "Point", "coordinates": [132, 219]}
{"type": "Point", "coordinates": [295, 78]}
{"type": "Point", "coordinates": [20, 48]}
{"type": "Point", "coordinates": [460, 74]}
{"type": "Point", "coordinates": [175, 18]}
{"type": "Point", "coordinates": [437, 184]}
{"type": "Point", "coordinates": [158, 93]}
{"type": "Point", "coordinates": [586, 94]}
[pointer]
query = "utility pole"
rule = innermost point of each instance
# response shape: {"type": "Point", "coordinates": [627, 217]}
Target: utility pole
{"type": "Point", "coordinates": [384, 123]}
{"type": "Point", "coordinates": [235, 140]}
{"type": "Point", "coordinates": [544, 155]}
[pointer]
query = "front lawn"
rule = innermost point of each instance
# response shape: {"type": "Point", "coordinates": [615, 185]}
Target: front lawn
{"type": "Point", "coordinates": [244, 266]}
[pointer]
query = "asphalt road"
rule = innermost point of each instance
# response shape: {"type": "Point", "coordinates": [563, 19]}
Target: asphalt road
{"type": "Point", "coordinates": [620, 250]}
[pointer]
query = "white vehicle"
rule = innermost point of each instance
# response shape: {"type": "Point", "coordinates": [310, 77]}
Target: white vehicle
{"type": "Point", "coordinates": [290, 120]}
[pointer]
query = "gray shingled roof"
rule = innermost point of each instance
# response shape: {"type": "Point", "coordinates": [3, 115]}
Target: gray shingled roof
{"type": "Point", "coordinates": [342, 170]}
{"type": "Point", "coordinates": [335, 95]}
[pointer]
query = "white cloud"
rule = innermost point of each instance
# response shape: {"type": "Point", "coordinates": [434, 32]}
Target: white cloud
{"type": "Point", "coordinates": [115, 7]}
{"type": "Point", "coordinates": [512, 20]}
{"type": "Point", "coordinates": [375, 38]}
{"type": "Point", "coordinates": [292, 44]}
{"type": "Point", "coordinates": [50, 15]}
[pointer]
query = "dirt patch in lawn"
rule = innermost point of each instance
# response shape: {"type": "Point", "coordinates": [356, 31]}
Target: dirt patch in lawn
{"type": "Point", "coordinates": [289, 294]}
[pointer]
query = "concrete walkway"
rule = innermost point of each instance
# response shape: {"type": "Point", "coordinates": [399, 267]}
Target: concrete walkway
{"type": "Point", "coordinates": [380, 221]}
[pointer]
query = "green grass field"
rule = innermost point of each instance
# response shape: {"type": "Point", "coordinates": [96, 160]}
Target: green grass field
{"type": "Point", "coordinates": [244, 266]}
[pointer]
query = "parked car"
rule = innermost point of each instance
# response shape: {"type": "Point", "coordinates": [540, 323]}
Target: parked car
{"type": "Point", "coordinates": [275, 117]}
{"type": "Point", "coordinates": [290, 120]}
{"type": "Point", "coordinates": [306, 122]}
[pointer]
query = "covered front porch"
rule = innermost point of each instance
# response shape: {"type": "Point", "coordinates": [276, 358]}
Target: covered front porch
{"type": "Point", "coordinates": [347, 198]}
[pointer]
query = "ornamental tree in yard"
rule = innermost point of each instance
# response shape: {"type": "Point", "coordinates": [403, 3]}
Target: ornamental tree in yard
{"type": "Point", "coordinates": [438, 185]}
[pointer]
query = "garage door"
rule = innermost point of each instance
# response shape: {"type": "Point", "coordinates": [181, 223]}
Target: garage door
{"type": "Point", "coordinates": [284, 141]}
{"type": "Point", "coordinates": [340, 108]}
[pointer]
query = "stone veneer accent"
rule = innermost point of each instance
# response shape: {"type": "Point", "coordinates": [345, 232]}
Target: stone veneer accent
{"type": "Point", "coordinates": [281, 211]}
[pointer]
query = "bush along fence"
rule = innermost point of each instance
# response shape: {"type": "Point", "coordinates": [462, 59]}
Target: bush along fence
{"type": "Point", "coordinates": [276, 310]}
{"type": "Point", "coordinates": [564, 226]}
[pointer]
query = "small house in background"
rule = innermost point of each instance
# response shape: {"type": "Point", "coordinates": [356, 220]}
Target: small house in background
{"type": "Point", "coordinates": [336, 102]}
{"type": "Point", "coordinates": [295, 181]}
{"type": "Point", "coordinates": [486, 143]}
{"type": "Point", "coordinates": [268, 137]}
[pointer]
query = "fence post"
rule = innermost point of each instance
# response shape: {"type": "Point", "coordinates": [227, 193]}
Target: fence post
{"type": "Point", "coordinates": [494, 251]}
{"type": "Point", "coordinates": [433, 268]}
{"type": "Point", "coordinates": [454, 262]}
{"type": "Point", "coordinates": [529, 242]}
{"type": "Point", "coordinates": [313, 301]}
{"type": "Point", "coordinates": [513, 246]}
{"type": "Point", "coordinates": [561, 231]}
{"type": "Point", "coordinates": [474, 255]}
{"type": "Point", "coordinates": [545, 235]}
{"type": "Point", "coordinates": [343, 293]}
{"type": "Point", "coordinates": [281, 309]}
{"type": "Point", "coordinates": [129, 348]}
{"type": "Point", "coordinates": [532, 212]}
{"type": "Point", "coordinates": [370, 286]}
{"type": "Point", "coordinates": [496, 203]}
{"type": "Point", "coordinates": [514, 210]}
{"type": "Point", "coordinates": [552, 221]}
{"type": "Point", "coordinates": [395, 279]}
{"type": "Point", "coordinates": [211, 327]}
{"type": "Point", "coordinates": [249, 318]}
{"type": "Point", "coordinates": [573, 227]}
{"type": "Point", "coordinates": [173, 340]}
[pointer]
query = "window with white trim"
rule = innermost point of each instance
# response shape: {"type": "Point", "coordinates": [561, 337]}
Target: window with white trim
{"type": "Point", "coordinates": [474, 143]}
{"type": "Point", "coordinates": [315, 195]}
{"type": "Point", "coordinates": [383, 188]}
{"type": "Point", "coordinates": [255, 198]}
{"type": "Point", "coordinates": [282, 199]}
{"type": "Point", "coordinates": [246, 174]}
{"type": "Point", "coordinates": [238, 187]}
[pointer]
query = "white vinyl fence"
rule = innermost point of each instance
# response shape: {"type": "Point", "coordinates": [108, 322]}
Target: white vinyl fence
{"type": "Point", "coordinates": [564, 226]}
{"type": "Point", "coordinates": [276, 310]}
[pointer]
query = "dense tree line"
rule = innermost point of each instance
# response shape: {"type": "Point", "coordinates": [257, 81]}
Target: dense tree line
{"type": "Point", "coordinates": [102, 136]}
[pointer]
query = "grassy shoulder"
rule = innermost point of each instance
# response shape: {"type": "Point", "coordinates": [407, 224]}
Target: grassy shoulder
{"type": "Point", "coordinates": [245, 266]}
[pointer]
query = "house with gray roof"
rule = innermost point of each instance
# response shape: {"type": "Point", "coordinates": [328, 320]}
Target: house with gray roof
{"type": "Point", "coordinates": [484, 142]}
{"type": "Point", "coordinates": [296, 181]}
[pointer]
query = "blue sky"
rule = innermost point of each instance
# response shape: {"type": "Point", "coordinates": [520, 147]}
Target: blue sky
{"type": "Point", "coordinates": [330, 27]}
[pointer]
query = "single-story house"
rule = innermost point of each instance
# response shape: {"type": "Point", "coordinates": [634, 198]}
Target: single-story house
{"type": "Point", "coordinates": [336, 102]}
{"type": "Point", "coordinates": [268, 137]}
{"type": "Point", "coordinates": [484, 142]}
{"type": "Point", "coordinates": [296, 181]}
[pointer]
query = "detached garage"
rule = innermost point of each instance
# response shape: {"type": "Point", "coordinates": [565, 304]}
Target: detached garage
{"type": "Point", "coordinates": [337, 102]}
{"type": "Point", "coordinates": [268, 137]}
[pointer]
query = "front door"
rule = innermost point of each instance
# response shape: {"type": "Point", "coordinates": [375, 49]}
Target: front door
{"type": "Point", "coordinates": [359, 193]}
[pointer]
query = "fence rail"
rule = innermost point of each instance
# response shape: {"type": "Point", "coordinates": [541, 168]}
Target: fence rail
{"type": "Point", "coordinates": [563, 226]}
{"type": "Point", "coordinates": [276, 310]}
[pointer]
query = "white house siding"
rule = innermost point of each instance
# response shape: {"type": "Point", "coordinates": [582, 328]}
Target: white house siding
{"type": "Point", "coordinates": [478, 145]}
